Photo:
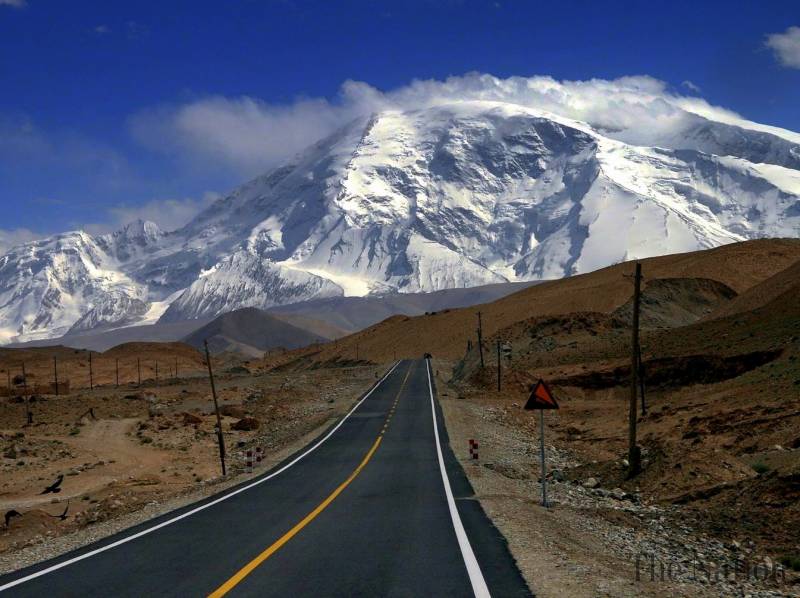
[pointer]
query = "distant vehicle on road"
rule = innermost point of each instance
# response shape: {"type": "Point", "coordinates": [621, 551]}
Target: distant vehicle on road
{"type": "Point", "coordinates": [427, 356]}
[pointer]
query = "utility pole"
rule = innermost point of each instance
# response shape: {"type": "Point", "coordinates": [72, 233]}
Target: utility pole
{"type": "Point", "coordinates": [499, 365]}
{"type": "Point", "coordinates": [641, 381]}
{"type": "Point", "coordinates": [8, 371]}
{"type": "Point", "coordinates": [91, 378]}
{"type": "Point", "coordinates": [116, 370]}
{"type": "Point", "coordinates": [220, 439]}
{"type": "Point", "coordinates": [480, 337]}
{"type": "Point", "coordinates": [139, 370]}
{"type": "Point", "coordinates": [55, 373]}
{"type": "Point", "coordinates": [634, 453]}
{"type": "Point", "coordinates": [28, 413]}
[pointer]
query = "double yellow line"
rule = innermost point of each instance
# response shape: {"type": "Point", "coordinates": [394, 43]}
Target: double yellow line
{"type": "Point", "coordinates": [252, 565]}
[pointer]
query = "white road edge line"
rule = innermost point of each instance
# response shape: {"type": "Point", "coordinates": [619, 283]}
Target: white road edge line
{"type": "Point", "coordinates": [479, 587]}
{"type": "Point", "coordinates": [144, 532]}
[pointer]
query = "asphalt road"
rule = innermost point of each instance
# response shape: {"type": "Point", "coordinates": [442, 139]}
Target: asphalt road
{"type": "Point", "coordinates": [375, 507]}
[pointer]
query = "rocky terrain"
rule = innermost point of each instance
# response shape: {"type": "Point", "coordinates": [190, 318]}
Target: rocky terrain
{"type": "Point", "coordinates": [600, 536]}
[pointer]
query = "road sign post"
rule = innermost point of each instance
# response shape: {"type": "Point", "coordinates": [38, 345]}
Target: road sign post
{"type": "Point", "coordinates": [544, 465]}
{"type": "Point", "coordinates": [540, 399]}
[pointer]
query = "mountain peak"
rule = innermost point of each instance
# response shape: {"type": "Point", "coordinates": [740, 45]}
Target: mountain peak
{"type": "Point", "coordinates": [447, 196]}
{"type": "Point", "coordinates": [141, 229]}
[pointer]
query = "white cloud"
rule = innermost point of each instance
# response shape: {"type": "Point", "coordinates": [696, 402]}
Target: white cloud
{"type": "Point", "coordinates": [244, 133]}
{"type": "Point", "coordinates": [14, 3]}
{"type": "Point", "coordinates": [11, 238]}
{"type": "Point", "coordinates": [786, 46]}
{"type": "Point", "coordinates": [691, 86]}
{"type": "Point", "coordinates": [247, 136]}
{"type": "Point", "coordinates": [102, 29]}
{"type": "Point", "coordinates": [169, 214]}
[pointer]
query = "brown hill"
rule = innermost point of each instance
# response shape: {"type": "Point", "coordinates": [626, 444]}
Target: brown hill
{"type": "Point", "coordinates": [738, 266]}
{"type": "Point", "coordinates": [761, 294]}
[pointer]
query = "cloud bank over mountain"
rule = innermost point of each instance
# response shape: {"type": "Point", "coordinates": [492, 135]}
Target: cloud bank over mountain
{"type": "Point", "coordinates": [248, 135]}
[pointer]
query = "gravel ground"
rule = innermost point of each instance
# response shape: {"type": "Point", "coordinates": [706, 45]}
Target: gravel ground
{"type": "Point", "coordinates": [588, 542]}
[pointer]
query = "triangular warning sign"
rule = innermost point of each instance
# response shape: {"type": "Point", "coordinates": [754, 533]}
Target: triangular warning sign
{"type": "Point", "coordinates": [541, 397]}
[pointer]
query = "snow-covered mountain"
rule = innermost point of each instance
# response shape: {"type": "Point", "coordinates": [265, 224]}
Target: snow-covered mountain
{"type": "Point", "coordinates": [453, 195]}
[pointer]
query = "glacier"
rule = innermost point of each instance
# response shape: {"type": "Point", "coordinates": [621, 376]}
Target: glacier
{"type": "Point", "coordinates": [458, 194]}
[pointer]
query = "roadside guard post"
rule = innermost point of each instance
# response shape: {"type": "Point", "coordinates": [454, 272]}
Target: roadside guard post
{"type": "Point", "coordinates": [541, 398]}
{"type": "Point", "coordinates": [473, 449]}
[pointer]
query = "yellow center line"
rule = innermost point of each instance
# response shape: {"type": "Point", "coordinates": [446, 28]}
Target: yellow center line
{"type": "Point", "coordinates": [251, 566]}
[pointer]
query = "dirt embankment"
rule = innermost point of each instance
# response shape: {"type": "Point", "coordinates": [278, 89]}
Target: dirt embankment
{"type": "Point", "coordinates": [129, 453]}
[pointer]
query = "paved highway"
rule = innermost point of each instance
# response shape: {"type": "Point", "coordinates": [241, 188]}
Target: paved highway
{"type": "Point", "coordinates": [377, 506]}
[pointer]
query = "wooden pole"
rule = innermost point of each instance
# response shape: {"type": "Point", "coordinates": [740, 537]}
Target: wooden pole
{"type": "Point", "coordinates": [91, 377]}
{"type": "Point", "coordinates": [480, 337]}
{"type": "Point", "coordinates": [55, 373]}
{"type": "Point", "coordinates": [220, 439]}
{"type": "Point", "coordinates": [634, 453]}
{"type": "Point", "coordinates": [499, 366]}
{"type": "Point", "coordinates": [641, 381]}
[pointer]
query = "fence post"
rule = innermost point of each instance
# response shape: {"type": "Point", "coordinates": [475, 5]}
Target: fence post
{"type": "Point", "coordinates": [28, 413]}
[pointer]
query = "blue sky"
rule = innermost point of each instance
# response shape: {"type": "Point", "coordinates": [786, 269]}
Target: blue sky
{"type": "Point", "coordinates": [114, 110]}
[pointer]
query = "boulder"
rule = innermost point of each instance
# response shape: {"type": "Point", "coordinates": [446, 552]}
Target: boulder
{"type": "Point", "coordinates": [619, 494]}
{"type": "Point", "coordinates": [246, 424]}
{"type": "Point", "coordinates": [590, 483]}
{"type": "Point", "coordinates": [233, 411]}
{"type": "Point", "coordinates": [190, 419]}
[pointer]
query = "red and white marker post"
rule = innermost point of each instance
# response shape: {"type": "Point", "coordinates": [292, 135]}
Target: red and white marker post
{"type": "Point", "coordinates": [473, 449]}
